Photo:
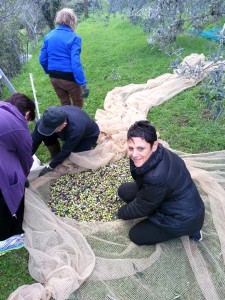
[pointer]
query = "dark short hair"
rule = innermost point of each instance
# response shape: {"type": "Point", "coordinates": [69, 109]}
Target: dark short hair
{"type": "Point", "coordinates": [24, 104]}
{"type": "Point", "coordinates": [143, 129]}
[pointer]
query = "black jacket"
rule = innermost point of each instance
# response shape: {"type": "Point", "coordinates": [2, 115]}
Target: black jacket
{"type": "Point", "coordinates": [79, 126]}
{"type": "Point", "coordinates": [167, 195]}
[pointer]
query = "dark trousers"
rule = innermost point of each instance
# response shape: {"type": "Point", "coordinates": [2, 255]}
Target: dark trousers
{"type": "Point", "coordinates": [68, 92]}
{"type": "Point", "coordinates": [9, 225]}
{"type": "Point", "coordinates": [144, 232]}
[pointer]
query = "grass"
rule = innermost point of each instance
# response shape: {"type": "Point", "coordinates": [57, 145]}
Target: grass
{"type": "Point", "coordinates": [117, 55]}
{"type": "Point", "coordinates": [187, 125]}
{"type": "Point", "coordinates": [13, 272]}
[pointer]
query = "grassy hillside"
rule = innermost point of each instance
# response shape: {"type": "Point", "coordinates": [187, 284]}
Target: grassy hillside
{"type": "Point", "coordinates": [118, 55]}
{"type": "Point", "coordinates": [113, 56]}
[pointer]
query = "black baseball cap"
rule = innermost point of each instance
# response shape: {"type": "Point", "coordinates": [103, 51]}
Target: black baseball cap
{"type": "Point", "coordinates": [51, 119]}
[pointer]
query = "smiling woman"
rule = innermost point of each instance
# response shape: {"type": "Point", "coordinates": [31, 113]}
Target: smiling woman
{"type": "Point", "coordinates": [142, 142]}
{"type": "Point", "coordinates": [139, 150]}
{"type": "Point", "coordinates": [163, 191]}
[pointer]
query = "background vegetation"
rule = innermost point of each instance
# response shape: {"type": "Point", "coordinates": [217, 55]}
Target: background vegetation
{"type": "Point", "coordinates": [117, 55]}
{"type": "Point", "coordinates": [23, 22]}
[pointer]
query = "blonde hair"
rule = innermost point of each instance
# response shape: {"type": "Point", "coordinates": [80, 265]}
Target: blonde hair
{"type": "Point", "coordinates": [66, 16]}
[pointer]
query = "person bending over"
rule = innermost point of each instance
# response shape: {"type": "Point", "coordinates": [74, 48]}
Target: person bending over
{"type": "Point", "coordinates": [15, 164]}
{"type": "Point", "coordinates": [163, 191]}
{"type": "Point", "coordinates": [60, 59]}
{"type": "Point", "coordinates": [73, 126]}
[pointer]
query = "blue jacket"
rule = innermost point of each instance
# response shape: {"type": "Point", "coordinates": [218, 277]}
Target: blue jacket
{"type": "Point", "coordinates": [167, 195]}
{"type": "Point", "coordinates": [16, 155]}
{"type": "Point", "coordinates": [61, 52]}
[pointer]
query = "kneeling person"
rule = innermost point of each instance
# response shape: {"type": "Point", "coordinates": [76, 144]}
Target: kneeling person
{"type": "Point", "coordinates": [163, 191]}
{"type": "Point", "coordinates": [73, 126]}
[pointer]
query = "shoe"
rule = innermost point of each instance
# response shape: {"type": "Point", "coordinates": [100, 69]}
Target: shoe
{"type": "Point", "coordinates": [12, 243]}
{"type": "Point", "coordinates": [197, 237]}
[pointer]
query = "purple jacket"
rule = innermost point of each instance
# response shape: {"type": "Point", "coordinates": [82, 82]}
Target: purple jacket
{"type": "Point", "coordinates": [15, 155]}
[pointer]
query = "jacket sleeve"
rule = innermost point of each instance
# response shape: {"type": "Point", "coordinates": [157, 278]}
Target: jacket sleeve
{"type": "Point", "coordinates": [43, 58]}
{"type": "Point", "coordinates": [68, 147]}
{"type": "Point", "coordinates": [146, 202]}
{"type": "Point", "coordinates": [76, 62]}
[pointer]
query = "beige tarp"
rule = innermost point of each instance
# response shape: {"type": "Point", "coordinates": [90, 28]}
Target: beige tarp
{"type": "Point", "coordinates": [96, 260]}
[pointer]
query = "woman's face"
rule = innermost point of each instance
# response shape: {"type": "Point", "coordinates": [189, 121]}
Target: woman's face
{"type": "Point", "coordinates": [139, 150]}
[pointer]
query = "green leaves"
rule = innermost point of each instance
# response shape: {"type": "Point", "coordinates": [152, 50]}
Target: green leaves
{"type": "Point", "coordinates": [213, 92]}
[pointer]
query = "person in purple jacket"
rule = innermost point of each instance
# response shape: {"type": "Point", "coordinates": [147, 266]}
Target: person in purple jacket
{"type": "Point", "coordinates": [15, 164]}
{"type": "Point", "coordinates": [60, 59]}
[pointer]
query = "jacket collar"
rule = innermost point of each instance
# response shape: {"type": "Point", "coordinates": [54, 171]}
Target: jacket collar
{"type": "Point", "coordinates": [63, 27]}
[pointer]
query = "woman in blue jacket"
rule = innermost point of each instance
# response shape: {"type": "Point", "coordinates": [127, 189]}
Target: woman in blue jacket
{"type": "Point", "coordinates": [60, 58]}
{"type": "Point", "coordinates": [15, 164]}
{"type": "Point", "coordinates": [163, 191]}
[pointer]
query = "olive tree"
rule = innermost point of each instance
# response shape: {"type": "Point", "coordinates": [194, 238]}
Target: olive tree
{"type": "Point", "coordinates": [49, 9]}
{"type": "Point", "coordinates": [164, 20]}
{"type": "Point", "coordinates": [10, 42]}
